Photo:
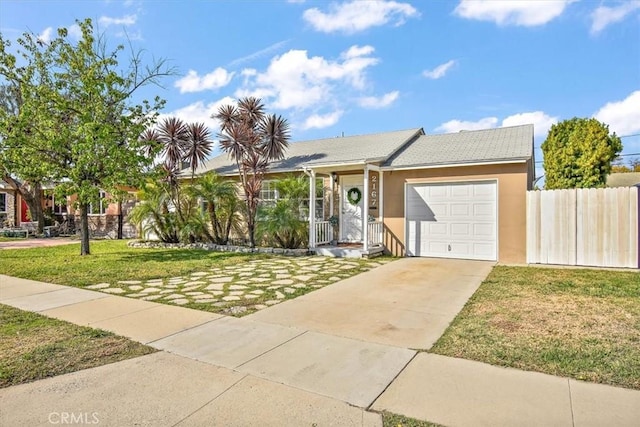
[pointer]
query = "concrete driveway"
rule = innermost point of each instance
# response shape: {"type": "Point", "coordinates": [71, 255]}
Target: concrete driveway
{"type": "Point", "coordinates": [407, 303]}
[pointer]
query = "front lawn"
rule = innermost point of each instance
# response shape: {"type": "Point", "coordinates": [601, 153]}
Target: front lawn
{"type": "Point", "coordinates": [583, 324]}
{"type": "Point", "coordinates": [34, 347]}
{"type": "Point", "coordinates": [220, 282]}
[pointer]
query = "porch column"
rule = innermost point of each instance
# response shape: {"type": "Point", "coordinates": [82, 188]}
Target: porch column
{"type": "Point", "coordinates": [312, 209]}
{"type": "Point", "coordinates": [381, 195]}
{"type": "Point", "coordinates": [331, 190]}
{"type": "Point", "coordinates": [365, 210]}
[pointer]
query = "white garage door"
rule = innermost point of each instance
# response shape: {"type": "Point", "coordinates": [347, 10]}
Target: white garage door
{"type": "Point", "coordinates": [452, 220]}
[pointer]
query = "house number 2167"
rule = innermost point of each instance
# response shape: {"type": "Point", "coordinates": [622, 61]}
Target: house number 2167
{"type": "Point", "coordinates": [374, 191]}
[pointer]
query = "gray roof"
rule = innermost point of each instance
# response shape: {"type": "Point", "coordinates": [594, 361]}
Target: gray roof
{"type": "Point", "coordinates": [478, 146]}
{"type": "Point", "coordinates": [626, 179]}
{"type": "Point", "coordinates": [347, 149]}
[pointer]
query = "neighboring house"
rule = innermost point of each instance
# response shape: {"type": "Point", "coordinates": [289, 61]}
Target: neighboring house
{"type": "Point", "coordinates": [623, 179]}
{"type": "Point", "coordinates": [9, 202]}
{"type": "Point", "coordinates": [103, 215]}
{"type": "Point", "coordinates": [456, 195]}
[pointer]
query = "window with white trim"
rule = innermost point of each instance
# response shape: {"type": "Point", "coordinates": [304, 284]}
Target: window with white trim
{"type": "Point", "coordinates": [319, 201]}
{"type": "Point", "coordinates": [99, 207]}
{"type": "Point", "coordinates": [268, 193]}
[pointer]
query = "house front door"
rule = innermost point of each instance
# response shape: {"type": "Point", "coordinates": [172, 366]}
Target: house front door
{"type": "Point", "coordinates": [352, 207]}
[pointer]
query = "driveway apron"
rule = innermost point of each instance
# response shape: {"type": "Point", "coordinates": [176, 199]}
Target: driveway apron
{"type": "Point", "coordinates": [407, 303]}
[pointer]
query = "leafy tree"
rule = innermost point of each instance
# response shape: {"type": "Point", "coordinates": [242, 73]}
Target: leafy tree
{"type": "Point", "coordinates": [17, 166]}
{"type": "Point", "coordinates": [252, 139]}
{"type": "Point", "coordinates": [620, 167]}
{"type": "Point", "coordinates": [77, 117]}
{"type": "Point", "coordinates": [578, 154]}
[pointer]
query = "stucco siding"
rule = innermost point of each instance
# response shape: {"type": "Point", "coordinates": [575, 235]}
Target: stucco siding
{"type": "Point", "coordinates": [513, 181]}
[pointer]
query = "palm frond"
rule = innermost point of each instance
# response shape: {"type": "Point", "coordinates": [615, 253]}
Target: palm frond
{"type": "Point", "coordinates": [274, 131]}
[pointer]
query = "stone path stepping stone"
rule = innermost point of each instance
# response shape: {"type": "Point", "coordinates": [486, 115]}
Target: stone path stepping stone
{"type": "Point", "coordinates": [135, 295]}
{"type": "Point", "coordinates": [245, 274]}
{"type": "Point", "coordinates": [99, 286]}
{"type": "Point", "coordinates": [262, 285]}
{"type": "Point", "coordinates": [205, 300]}
{"type": "Point", "coordinates": [282, 272]}
{"type": "Point", "coordinates": [225, 279]}
{"type": "Point", "coordinates": [236, 287]}
{"type": "Point", "coordinates": [199, 274]}
{"type": "Point", "coordinates": [174, 296]}
{"type": "Point", "coordinates": [279, 295]}
{"type": "Point", "coordinates": [304, 278]}
{"type": "Point", "coordinates": [299, 285]}
{"type": "Point", "coordinates": [236, 293]}
{"type": "Point", "coordinates": [266, 275]}
{"type": "Point", "coordinates": [150, 290]}
{"type": "Point", "coordinates": [196, 283]}
{"type": "Point", "coordinates": [259, 306]}
{"type": "Point", "coordinates": [282, 276]}
{"type": "Point", "coordinates": [190, 288]}
{"type": "Point", "coordinates": [217, 293]}
{"type": "Point", "coordinates": [220, 304]}
{"type": "Point", "coordinates": [282, 282]}
{"type": "Point", "coordinates": [180, 301]}
{"type": "Point", "coordinates": [257, 292]}
{"type": "Point", "coordinates": [231, 298]}
{"type": "Point", "coordinates": [273, 287]}
{"type": "Point", "coordinates": [113, 291]}
{"type": "Point", "coordinates": [171, 286]}
{"type": "Point", "coordinates": [334, 278]}
{"type": "Point", "coordinates": [151, 297]}
{"type": "Point", "coordinates": [215, 287]}
{"type": "Point", "coordinates": [129, 282]}
{"type": "Point", "coordinates": [289, 290]}
{"type": "Point", "coordinates": [202, 296]}
{"type": "Point", "coordinates": [154, 281]}
{"type": "Point", "coordinates": [271, 302]}
{"type": "Point", "coordinates": [251, 296]}
{"type": "Point", "coordinates": [259, 279]}
{"type": "Point", "coordinates": [136, 287]}
{"type": "Point", "coordinates": [195, 293]}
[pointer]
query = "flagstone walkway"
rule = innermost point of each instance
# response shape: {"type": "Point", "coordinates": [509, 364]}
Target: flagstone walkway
{"type": "Point", "coordinates": [243, 288]}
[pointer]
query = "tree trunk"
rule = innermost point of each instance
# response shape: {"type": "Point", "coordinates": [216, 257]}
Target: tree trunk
{"type": "Point", "coordinates": [84, 229]}
{"type": "Point", "coordinates": [120, 220]}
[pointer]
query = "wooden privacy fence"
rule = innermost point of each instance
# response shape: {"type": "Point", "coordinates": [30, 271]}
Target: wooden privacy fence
{"type": "Point", "coordinates": [591, 227]}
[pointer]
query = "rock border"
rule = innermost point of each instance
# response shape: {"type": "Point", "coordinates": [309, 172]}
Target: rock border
{"type": "Point", "coordinates": [146, 244]}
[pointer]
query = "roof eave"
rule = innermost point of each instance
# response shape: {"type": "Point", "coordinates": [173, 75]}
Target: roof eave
{"type": "Point", "coordinates": [456, 165]}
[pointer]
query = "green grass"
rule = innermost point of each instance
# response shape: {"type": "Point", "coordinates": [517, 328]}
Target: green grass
{"type": "Point", "coordinates": [395, 420]}
{"type": "Point", "coordinates": [110, 260]}
{"type": "Point", "coordinates": [583, 324]}
{"type": "Point", "coordinates": [34, 347]}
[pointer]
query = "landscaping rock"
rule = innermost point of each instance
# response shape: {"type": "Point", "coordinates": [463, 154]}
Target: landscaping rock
{"type": "Point", "coordinates": [113, 291]}
{"type": "Point", "coordinates": [99, 286]}
{"type": "Point", "coordinates": [231, 298]}
{"type": "Point", "coordinates": [180, 301]}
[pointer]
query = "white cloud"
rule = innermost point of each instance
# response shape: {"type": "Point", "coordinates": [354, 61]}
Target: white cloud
{"type": "Point", "coordinates": [528, 13]}
{"type": "Point", "coordinates": [541, 121]}
{"type": "Point", "coordinates": [295, 80]}
{"type": "Point", "coordinates": [458, 125]}
{"type": "Point", "coordinates": [45, 35]}
{"type": "Point", "coordinates": [439, 71]}
{"type": "Point", "coordinates": [318, 121]}
{"type": "Point", "coordinates": [200, 112]}
{"type": "Point", "coordinates": [603, 16]}
{"type": "Point", "coordinates": [75, 31]}
{"type": "Point", "coordinates": [354, 16]}
{"type": "Point", "coordinates": [192, 82]}
{"type": "Point", "coordinates": [379, 102]}
{"type": "Point", "coordinates": [623, 117]}
{"type": "Point", "coordinates": [107, 21]}
{"type": "Point", "coordinates": [258, 54]}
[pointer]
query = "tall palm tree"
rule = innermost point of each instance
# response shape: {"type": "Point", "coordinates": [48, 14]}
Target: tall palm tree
{"type": "Point", "coordinates": [252, 139]}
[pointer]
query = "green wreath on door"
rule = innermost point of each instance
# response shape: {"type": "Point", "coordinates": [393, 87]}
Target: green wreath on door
{"type": "Point", "coordinates": [354, 195]}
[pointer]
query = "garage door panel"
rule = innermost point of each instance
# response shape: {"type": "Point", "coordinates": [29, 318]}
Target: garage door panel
{"type": "Point", "coordinates": [452, 220]}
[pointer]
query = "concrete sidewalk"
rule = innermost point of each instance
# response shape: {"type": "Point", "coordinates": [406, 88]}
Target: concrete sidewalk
{"type": "Point", "coordinates": [229, 371]}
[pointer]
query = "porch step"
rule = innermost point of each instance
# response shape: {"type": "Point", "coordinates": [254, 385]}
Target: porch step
{"type": "Point", "coordinates": [342, 252]}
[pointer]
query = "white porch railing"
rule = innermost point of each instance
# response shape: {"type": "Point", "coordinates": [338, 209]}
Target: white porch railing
{"type": "Point", "coordinates": [375, 233]}
{"type": "Point", "coordinates": [324, 232]}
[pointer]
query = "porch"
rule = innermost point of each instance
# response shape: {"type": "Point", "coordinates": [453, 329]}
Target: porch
{"type": "Point", "coordinates": [354, 223]}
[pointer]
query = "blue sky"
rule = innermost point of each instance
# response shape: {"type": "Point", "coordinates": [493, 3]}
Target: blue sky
{"type": "Point", "coordinates": [371, 66]}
